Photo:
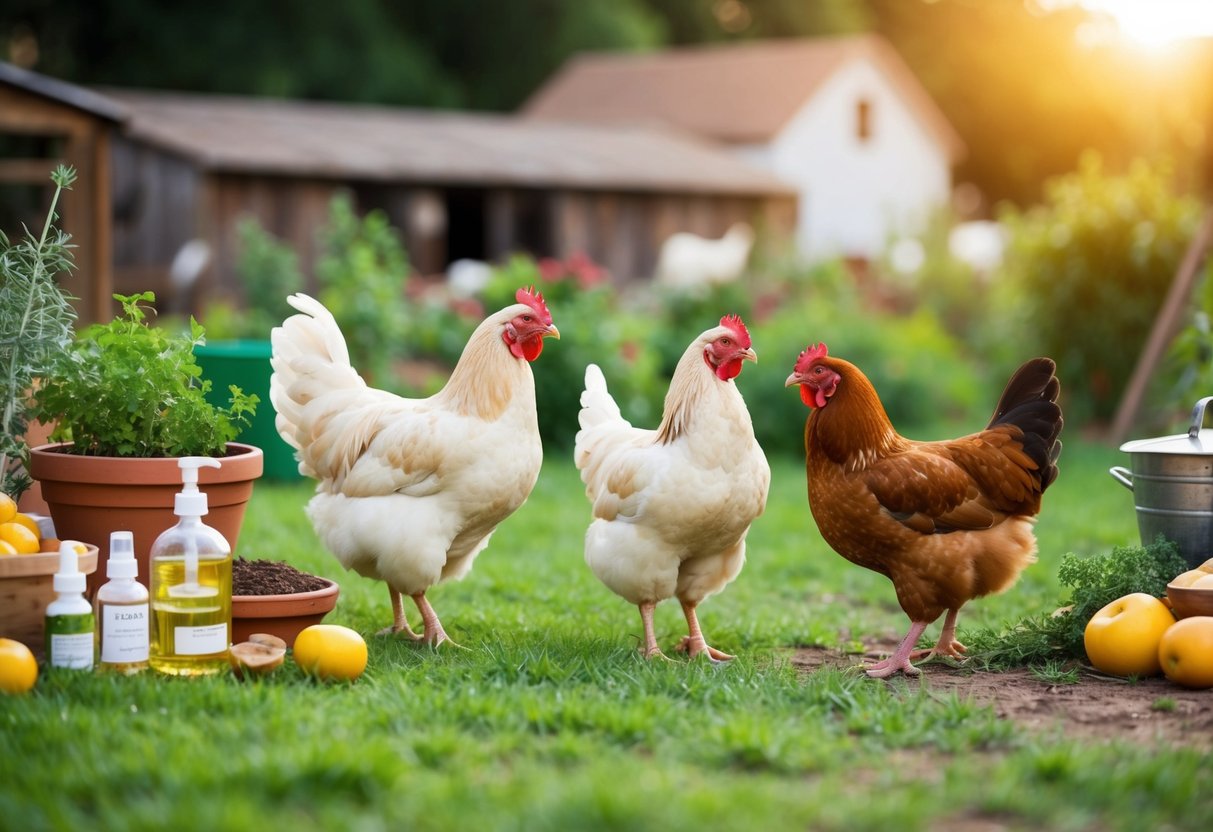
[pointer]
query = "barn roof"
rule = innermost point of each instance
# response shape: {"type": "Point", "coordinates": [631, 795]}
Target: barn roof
{"type": "Point", "coordinates": [738, 93]}
{"type": "Point", "coordinates": [61, 92]}
{"type": "Point", "coordinates": [293, 138]}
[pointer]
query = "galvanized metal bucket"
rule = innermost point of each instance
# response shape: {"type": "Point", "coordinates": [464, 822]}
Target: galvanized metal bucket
{"type": "Point", "coordinates": [1171, 478]}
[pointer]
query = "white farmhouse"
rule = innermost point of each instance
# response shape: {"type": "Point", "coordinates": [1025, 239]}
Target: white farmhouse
{"type": "Point", "coordinates": [843, 120]}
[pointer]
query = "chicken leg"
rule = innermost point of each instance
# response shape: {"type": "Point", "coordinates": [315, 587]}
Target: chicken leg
{"type": "Point", "coordinates": [900, 660]}
{"type": "Point", "coordinates": [947, 645]}
{"type": "Point", "coordinates": [694, 643]}
{"type": "Point", "coordinates": [650, 648]}
{"type": "Point", "coordinates": [434, 634]}
{"type": "Point", "coordinates": [399, 623]}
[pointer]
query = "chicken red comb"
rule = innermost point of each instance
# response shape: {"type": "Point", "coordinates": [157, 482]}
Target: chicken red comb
{"type": "Point", "coordinates": [810, 354]}
{"type": "Point", "coordinates": [534, 300]}
{"type": "Point", "coordinates": [735, 323]}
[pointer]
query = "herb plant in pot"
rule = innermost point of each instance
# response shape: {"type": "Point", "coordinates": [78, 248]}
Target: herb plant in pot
{"type": "Point", "coordinates": [127, 399]}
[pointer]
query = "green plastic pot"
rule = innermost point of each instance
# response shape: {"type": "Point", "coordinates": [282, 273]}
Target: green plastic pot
{"type": "Point", "coordinates": [246, 364]}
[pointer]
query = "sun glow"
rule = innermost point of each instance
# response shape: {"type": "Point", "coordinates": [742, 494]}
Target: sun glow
{"type": "Point", "coordinates": [1157, 23]}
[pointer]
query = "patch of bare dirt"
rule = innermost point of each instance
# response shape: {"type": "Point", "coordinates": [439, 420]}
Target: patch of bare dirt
{"type": "Point", "coordinates": [1098, 707]}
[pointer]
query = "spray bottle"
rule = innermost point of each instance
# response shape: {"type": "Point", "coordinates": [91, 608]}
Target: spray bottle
{"type": "Point", "coordinates": [122, 610]}
{"type": "Point", "coordinates": [69, 618]}
{"type": "Point", "coordinates": [191, 583]}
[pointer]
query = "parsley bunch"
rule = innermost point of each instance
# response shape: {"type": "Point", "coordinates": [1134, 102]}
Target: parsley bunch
{"type": "Point", "coordinates": [132, 390]}
{"type": "Point", "coordinates": [1094, 582]}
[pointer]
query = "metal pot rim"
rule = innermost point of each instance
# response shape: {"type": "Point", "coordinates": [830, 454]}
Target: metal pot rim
{"type": "Point", "coordinates": [1197, 441]}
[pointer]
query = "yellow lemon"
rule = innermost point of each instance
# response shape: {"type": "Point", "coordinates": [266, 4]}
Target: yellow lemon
{"type": "Point", "coordinates": [19, 537]}
{"type": "Point", "coordinates": [8, 508]}
{"type": "Point", "coordinates": [29, 523]}
{"type": "Point", "coordinates": [6, 548]}
{"type": "Point", "coordinates": [330, 651]}
{"type": "Point", "coordinates": [18, 669]}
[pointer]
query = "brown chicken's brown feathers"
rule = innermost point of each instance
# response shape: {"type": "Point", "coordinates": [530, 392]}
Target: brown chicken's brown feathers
{"type": "Point", "coordinates": [946, 521]}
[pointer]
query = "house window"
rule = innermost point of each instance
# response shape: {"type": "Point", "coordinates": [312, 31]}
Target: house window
{"type": "Point", "coordinates": [863, 120]}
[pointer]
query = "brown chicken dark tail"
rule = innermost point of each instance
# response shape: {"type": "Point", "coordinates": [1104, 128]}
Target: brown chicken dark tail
{"type": "Point", "coordinates": [1029, 402]}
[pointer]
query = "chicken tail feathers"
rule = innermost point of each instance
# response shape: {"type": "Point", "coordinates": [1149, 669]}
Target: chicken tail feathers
{"type": "Point", "coordinates": [309, 359]}
{"type": "Point", "coordinates": [597, 405]}
{"type": "Point", "coordinates": [1029, 402]}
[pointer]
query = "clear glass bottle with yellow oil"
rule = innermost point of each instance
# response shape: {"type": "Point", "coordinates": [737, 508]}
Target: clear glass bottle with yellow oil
{"type": "Point", "coordinates": [191, 586]}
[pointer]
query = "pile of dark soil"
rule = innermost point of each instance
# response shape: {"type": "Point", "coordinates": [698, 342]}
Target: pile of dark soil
{"type": "Point", "coordinates": [266, 577]}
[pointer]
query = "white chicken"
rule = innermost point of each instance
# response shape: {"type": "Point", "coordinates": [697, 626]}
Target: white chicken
{"type": "Point", "coordinates": [672, 506]}
{"type": "Point", "coordinates": [410, 490]}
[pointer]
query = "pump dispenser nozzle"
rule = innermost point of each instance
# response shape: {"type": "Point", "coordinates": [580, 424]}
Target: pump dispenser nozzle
{"type": "Point", "coordinates": [122, 563]}
{"type": "Point", "coordinates": [190, 502]}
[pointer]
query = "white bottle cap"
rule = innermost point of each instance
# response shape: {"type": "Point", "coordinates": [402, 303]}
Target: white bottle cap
{"type": "Point", "coordinates": [122, 563]}
{"type": "Point", "coordinates": [190, 502]}
{"type": "Point", "coordinates": [69, 578]}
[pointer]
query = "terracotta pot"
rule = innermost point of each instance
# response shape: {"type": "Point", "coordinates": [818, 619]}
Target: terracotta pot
{"type": "Point", "coordinates": [91, 496]}
{"type": "Point", "coordinates": [26, 587]}
{"type": "Point", "coordinates": [281, 615]}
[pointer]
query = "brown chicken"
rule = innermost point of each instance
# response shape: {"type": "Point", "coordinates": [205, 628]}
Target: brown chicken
{"type": "Point", "coordinates": [944, 521]}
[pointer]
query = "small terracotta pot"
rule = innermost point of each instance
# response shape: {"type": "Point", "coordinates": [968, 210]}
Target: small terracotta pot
{"type": "Point", "coordinates": [284, 616]}
{"type": "Point", "coordinates": [91, 496]}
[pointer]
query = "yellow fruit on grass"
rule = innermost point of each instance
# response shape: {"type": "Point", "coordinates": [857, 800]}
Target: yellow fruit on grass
{"type": "Point", "coordinates": [1186, 652]}
{"type": "Point", "coordinates": [330, 651]}
{"type": "Point", "coordinates": [19, 537]}
{"type": "Point", "coordinates": [1122, 638]}
{"type": "Point", "coordinates": [18, 669]}
{"type": "Point", "coordinates": [8, 508]}
{"type": "Point", "coordinates": [1188, 578]}
{"type": "Point", "coordinates": [6, 549]}
{"type": "Point", "coordinates": [29, 523]}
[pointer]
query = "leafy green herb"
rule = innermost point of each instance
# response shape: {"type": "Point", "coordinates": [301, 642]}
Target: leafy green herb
{"type": "Point", "coordinates": [129, 389]}
{"type": "Point", "coordinates": [36, 319]}
{"type": "Point", "coordinates": [1094, 582]}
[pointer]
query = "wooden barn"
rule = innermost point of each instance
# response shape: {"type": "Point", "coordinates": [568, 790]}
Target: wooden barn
{"type": "Point", "coordinates": [44, 123]}
{"type": "Point", "coordinates": [458, 185]}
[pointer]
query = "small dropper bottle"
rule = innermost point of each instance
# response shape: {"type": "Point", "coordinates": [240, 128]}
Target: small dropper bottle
{"type": "Point", "coordinates": [69, 618]}
{"type": "Point", "coordinates": [122, 610]}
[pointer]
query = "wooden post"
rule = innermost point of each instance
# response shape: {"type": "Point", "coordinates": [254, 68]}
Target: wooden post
{"type": "Point", "coordinates": [1166, 324]}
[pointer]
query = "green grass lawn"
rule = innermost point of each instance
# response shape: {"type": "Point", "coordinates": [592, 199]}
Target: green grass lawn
{"type": "Point", "coordinates": [551, 721]}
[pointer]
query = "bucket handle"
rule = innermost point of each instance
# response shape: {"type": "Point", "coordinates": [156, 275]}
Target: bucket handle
{"type": "Point", "coordinates": [1198, 417]}
{"type": "Point", "coordinates": [1122, 475]}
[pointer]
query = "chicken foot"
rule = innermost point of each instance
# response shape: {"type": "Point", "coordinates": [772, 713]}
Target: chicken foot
{"type": "Point", "coordinates": [694, 643]}
{"type": "Point", "coordinates": [900, 660]}
{"type": "Point", "coordinates": [399, 623]}
{"type": "Point", "coordinates": [434, 634]}
{"type": "Point", "coordinates": [947, 646]}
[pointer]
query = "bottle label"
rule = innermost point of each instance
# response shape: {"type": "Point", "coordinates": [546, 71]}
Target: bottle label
{"type": "Point", "coordinates": [73, 651]}
{"type": "Point", "coordinates": [124, 633]}
{"type": "Point", "coordinates": [200, 641]}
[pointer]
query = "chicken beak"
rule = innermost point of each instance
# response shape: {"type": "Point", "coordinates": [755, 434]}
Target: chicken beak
{"type": "Point", "coordinates": [553, 331]}
{"type": "Point", "coordinates": [793, 380]}
{"type": "Point", "coordinates": [748, 355]}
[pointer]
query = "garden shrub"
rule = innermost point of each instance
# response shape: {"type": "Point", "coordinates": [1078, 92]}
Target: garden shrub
{"type": "Point", "coordinates": [1090, 268]}
{"type": "Point", "coordinates": [362, 273]}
